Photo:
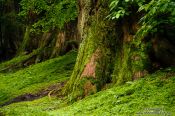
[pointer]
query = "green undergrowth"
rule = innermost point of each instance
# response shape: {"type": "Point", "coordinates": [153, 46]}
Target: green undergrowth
{"type": "Point", "coordinates": [153, 95]}
{"type": "Point", "coordinates": [36, 77]}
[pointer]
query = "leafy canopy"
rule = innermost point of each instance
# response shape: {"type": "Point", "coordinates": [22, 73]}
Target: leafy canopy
{"type": "Point", "coordinates": [45, 15]}
{"type": "Point", "coordinates": [121, 8]}
{"type": "Point", "coordinates": [157, 13]}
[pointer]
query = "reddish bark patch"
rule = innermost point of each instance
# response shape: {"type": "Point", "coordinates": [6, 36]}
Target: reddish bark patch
{"type": "Point", "coordinates": [89, 70]}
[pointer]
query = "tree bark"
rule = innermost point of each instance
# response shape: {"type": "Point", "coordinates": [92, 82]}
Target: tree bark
{"type": "Point", "coordinates": [96, 54]}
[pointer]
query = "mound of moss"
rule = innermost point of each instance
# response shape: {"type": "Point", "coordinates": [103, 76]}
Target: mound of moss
{"type": "Point", "coordinates": [36, 77]}
{"type": "Point", "coordinates": [152, 95]}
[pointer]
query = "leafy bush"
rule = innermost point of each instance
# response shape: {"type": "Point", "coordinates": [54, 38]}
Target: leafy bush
{"type": "Point", "coordinates": [157, 14]}
{"type": "Point", "coordinates": [121, 8]}
{"type": "Point", "coordinates": [46, 15]}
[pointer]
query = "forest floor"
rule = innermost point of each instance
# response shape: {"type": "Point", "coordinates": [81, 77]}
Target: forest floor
{"type": "Point", "coordinates": [32, 92]}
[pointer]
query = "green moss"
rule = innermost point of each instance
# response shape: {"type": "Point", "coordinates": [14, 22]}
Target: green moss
{"type": "Point", "coordinates": [155, 91]}
{"type": "Point", "coordinates": [36, 77]}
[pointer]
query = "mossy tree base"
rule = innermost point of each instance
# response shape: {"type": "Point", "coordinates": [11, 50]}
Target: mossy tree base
{"type": "Point", "coordinates": [108, 52]}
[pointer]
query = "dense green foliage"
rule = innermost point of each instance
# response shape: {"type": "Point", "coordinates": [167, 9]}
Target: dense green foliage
{"type": "Point", "coordinates": [121, 8]}
{"type": "Point", "coordinates": [157, 14]}
{"type": "Point", "coordinates": [46, 15]}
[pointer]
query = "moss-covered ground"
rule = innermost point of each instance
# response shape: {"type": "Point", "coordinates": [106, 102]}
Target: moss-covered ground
{"type": "Point", "coordinates": [153, 95]}
{"type": "Point", "coordinates": [36, 77]}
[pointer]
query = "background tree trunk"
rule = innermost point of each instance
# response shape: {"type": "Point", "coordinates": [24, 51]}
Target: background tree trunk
{"type": "Point", "coordinates": [25, 41]}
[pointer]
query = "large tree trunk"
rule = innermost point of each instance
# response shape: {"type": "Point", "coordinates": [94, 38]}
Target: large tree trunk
{"type": "Point", "coordinates": [108, 52]}
{"type": "Point", "coordinates": [97, 50]}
